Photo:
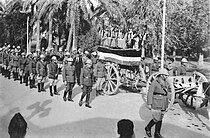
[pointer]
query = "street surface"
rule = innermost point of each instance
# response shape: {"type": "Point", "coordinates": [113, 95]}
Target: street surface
{"type": "Point", "coordinates": [51, 117]}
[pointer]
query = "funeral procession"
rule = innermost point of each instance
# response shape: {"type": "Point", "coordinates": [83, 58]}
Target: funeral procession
{"type": "Point", "coordinates": [104, 68]}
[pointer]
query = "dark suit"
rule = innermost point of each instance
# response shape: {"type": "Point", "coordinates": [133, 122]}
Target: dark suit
{"type": "Point", "coordinates": [78, 65]}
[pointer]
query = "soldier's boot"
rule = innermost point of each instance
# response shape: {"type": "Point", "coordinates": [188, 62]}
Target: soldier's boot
{"type": "Point", "coordinates": [39, 87]}
{"type": "Point", "coordinates": [64, 95]}
{"type": "Point", "coordinates": [33, 83]}
{"type": "Point", "coordinates": [30, 84]}
{"type": "Point", "coordinates": [3, 72]}
{"type": "Point", "coordinates": [21, 79]}
{"type": "Point", "coordinates": [51, 93]}
{"type": "Point", "coordinates": [55, 90]}
{"type": "Point", "coordinates": [148, 128]}
{"type": "Point", "coordinates": [69, 96]}
{"type": "Point", "coordinates": [15, 76]}
{"type": "Point", "coordinates": [42, 87]}
{"type": "Point", "coordinates": [157, 130]}
{"type": "Point", "coordinates": [26, 79]}
{"type": "Point", "coordinates": [8, 74]}
{"type": "Point", "coordinates": [81, 99]}
{"type": "Point", "coordinates": [87, 101]}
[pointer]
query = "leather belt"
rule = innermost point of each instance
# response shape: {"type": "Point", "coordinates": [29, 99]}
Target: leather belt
{"type": "Point", "coordinates": [155, 93]}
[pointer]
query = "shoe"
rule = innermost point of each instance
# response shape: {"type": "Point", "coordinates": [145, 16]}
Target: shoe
{"type": "Point", "coordinates": [158, 135]}
{"type": "Point", "coordinates": [80, 103]}
{"type": "Point", "coordinates": [64, 98]}
{"type": "Point", "coordinates": [56, 93]}
{"type": "Point", "coordinates": [87, 105]}
{"type": "Point", "coordinates": [148, 132]}
{"type": "Point", "coordinates": [70, 100]}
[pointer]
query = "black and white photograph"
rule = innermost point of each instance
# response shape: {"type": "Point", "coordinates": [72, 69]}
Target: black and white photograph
{"type": "Point", "coordinates": [104, 68]}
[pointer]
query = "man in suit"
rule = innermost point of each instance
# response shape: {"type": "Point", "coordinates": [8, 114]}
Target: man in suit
{"type": "Point", "coordinates": [78, 66]}
{"type": "Point", "coordinates": [86, 79]}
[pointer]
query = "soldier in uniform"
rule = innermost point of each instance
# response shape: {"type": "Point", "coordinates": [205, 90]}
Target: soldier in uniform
{"type": "Point", "coordinates": [26, 62]}
{"type": "Point", "coordinates": [99, 73]}
{"type": "Point", "coordinates": [86, 79]}
{"type": "Point", "coordinates": [15, 65]}
{"type": "Point", "coordinates": [53, 75]}
{"type": "Point", "coordinates": [32, 71]}
{"type": "Point", "coordinates": [10, 65]}
{"type": "Point", "coordinates": [181, 70]}
{"type": "Point", "coordinates": [157, 100]}
{"type": "Point", "coordinates": [41, 70]}
{"type": "Point", "coordinates": [68, 78]}
{"type": "Point", "coordinates": [21, 66]}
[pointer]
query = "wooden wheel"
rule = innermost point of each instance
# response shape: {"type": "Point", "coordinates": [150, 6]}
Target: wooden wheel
{"type": "Point", "coordinates": [171, 93]}
{"type": "Point", "coordinates": [199, 78]}
{"type": "Point", "coordinates": [112, 81]}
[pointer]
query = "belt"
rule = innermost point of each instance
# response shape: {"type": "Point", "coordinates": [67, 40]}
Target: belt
{"type": "Point", "coordinates": [155, 93]}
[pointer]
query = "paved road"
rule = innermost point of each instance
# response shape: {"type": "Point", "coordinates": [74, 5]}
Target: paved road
{"type": "Point", "coordinates": [51, 117]}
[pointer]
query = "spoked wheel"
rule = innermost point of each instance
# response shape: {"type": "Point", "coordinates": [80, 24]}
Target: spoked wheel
{"type": "Point", "coordinates": [171, 93]}
{"type": "Point", "coordinates": [199, 78]}
{"type": "Point", "coordinates": [112, 81]}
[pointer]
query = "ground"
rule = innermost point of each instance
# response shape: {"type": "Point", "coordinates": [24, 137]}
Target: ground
{"type": "Point", "coordinates": [51, 117]}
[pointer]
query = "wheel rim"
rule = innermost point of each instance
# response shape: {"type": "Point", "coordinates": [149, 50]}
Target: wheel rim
{"type": "Point", "coordinates": [111, 84]}
{"type": "Point", "coordinates": [199, 78]}
{"type": "Point", "coordinates": [172, 93]}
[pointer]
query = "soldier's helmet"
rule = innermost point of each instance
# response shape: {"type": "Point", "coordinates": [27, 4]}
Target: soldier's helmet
{"type": "Point", "coordinates": [18, 47]}
{"type": "Point", "coordinates": [184, 60]}
{"type": "Point", "coordinates": [89, 61]}
{"type": "Point", "coordinates": [70, 59]}
{"type": "Point", "coordinates": [54, 58]}
{"type": "Point", "coordinates": [35, 55]}
{"type": "Point", "coordinates": [164, 72]}
{"type": "Point", "coordinates": [86, 52]}
{"type": "Point", "coordinates": [42, 56]}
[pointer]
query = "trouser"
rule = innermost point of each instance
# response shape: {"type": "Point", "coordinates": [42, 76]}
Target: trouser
{"type": "Point", "coordinates": [15, 72]}
{"type": "Point", "coordinates": [53, 83]}
{"type": "Point", "coordinates": [99, 83]}
{"type": "Point", "coordinates": [86, 92]}
{"type": "Point", "coordinates": [41, 81]}
{"type": "Point", "coordinates": [25, 78]}
{"type": "Point", "coordinates": [21, 75]}
{"type": "Point", "coordinates": [32, 80]}
{"type": "Point", "coordinates": [69, 88]}
{"type": "Point", "coordinates": [78, 72]}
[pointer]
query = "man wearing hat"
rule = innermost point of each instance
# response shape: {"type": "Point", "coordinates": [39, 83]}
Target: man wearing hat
{"type": "Point", "coordinates": [26, 62]}
{"type": "Point", "coordinates": [68, 75]}
{"type": "Point", "coordinates": [32, 71]}
{"type": "Point", "coordinates": [157, 101]}
{"type": "Point", "coordinates": [21, 66]}
{"type": "Point", "coordinates": [41, 70]}
{"type": "Point", "coordinates": [15, 65]}
{"type": "Point", "coordinates": [99, 73]}
{"type": "Point", "coordinates": [86, 80]}
{"type": "Point", "coordinates": [181, 70]}
{"type": "Point", "coordinates": [53, 75]}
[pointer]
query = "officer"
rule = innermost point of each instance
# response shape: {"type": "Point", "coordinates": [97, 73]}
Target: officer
{"type": "Point", "coordinates": [157, 101]}
{"type": "Point", "coordinates": [41, 70]}
{"type": "Point", "coordinates": [68, 79]}
{"type": "Point", "coordinates": [99, 73]}
{"type": "Point", "coordinates": [21, 66]}
{"type": "Point", "coordinates": [32, 71]}
{"type": "Point", "coordinates": [181, 70]}
{"type": "Point", "coordinates": [26, 62]}
{"type": "Point", "coordinates": [15, 65]}
{"type": "Point", "coordinates": [86, 80]}
{"type": "Point", "coordinates": [53, 75]}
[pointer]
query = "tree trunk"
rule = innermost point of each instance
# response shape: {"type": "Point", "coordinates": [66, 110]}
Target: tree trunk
{"type": "Point", "coordinates": [38, 35]}
{"type": "Point", "coordinates": [200, 60]}
{"type": "Point", "coordinates": [50, 33]}
{"type": "Point", "coordinates": [69, 38]}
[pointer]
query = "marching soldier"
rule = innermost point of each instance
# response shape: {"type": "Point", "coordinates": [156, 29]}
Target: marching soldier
{"type": "Point", "coordinates": [68, 79]}
{"type": "Point", "coordinates": [21, 66]}
{"type": "Point", "coordinates": [99, 73]}
{"type": "Point", "coordinates": [26, 68]}
{"type": "Point", "coordinates": [53, 75]}
{"type": "Point", "coordinates": [15, 65]}
{"type": "Point", "coordinates": [32, 71]}
{"type": "Point", "coordinates": [86, 79]}
{"type": "Point", "coordinates": [157, 100]}
{"type": "Point", "coordinates": [41, 70]}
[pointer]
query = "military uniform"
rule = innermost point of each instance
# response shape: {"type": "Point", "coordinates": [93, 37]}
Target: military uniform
{"type": "Point", "coordinates": [53, 76]}
{"type": "Point", "coordinates": [157, 98]}
{"type": "Point", "coordinates": [99, 73]}
{"type": "Point", "coordinates": [68, 75]}
{"type": "Point", "coordinates": [180, 71]}
{"type": "Point", "coordinates": [21, 68]}
{"type": "Point", "coordinates": [86, 80]}
{"type": "Point", "coordinates": [32, 72]}
{"type": "Point", "coordinates": [26, 62]}
{"type": "Point", "coordinates": [15, 66]}
{"type": "Point", "coordinates": [78, 66]}
{"type": "Point", "coordinates": [41, 70]}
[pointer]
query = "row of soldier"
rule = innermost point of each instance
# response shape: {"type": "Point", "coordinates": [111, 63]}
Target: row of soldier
{"type": "Point", "coordinates": [83, 69]}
